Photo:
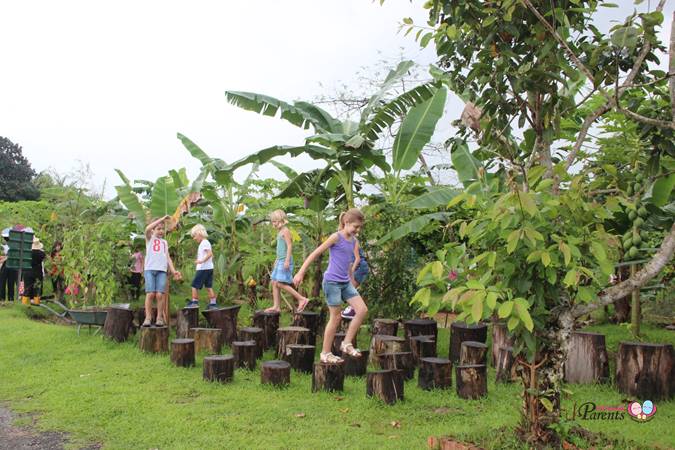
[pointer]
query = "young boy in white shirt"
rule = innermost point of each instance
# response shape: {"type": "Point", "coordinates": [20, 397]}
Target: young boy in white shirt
{"type": "Point", "coordinates": [204, 273]}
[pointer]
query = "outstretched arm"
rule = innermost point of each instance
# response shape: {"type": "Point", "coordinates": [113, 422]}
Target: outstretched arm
{"type": "Point", "coordinates": [332, 240]}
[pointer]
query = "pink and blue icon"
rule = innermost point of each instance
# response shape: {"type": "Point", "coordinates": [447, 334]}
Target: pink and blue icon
{"type": "Point", "coordinates": [642, 413]}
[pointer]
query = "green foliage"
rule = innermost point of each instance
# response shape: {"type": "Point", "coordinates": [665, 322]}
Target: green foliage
{"type": "Point", "coordinates": [16, 174]}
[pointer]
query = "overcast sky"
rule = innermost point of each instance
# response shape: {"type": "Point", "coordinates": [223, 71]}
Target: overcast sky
{"type": "Point", "coordinates": [112, 83]}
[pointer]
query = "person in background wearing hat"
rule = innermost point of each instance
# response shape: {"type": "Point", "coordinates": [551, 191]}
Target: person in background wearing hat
{"type": "Point", "coordinates": [7, 276]}
{"type": "Point", "coordinates": [33, 278]}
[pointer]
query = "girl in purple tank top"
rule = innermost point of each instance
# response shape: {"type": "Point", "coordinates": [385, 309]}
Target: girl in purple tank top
{"type": "Point", "coordinates": [337, 285]}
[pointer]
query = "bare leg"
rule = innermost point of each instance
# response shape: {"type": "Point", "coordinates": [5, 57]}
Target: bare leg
{"type": "Point", "coordinates": [195, 294]}
{"type": "Point", "coordinates": [276, 297]}
{"type": "Point", "coordinates": [148, 305]}
{"type": "Point", "coordinates": [331, 328]}
{"type": "Point", "coordinates": [302, 301]}
{"type": "Point", "coordinates": [161, 306]}
{"type": "Point", "coordinates": [211, 293]}
{"type": "Point", "coordinates": [361, 311]}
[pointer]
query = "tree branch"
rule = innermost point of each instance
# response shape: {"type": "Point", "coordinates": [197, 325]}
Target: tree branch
{"type": "Point", "coordinates": [671, 68]}
{"type": "Point", "coordinates": [621, 290]}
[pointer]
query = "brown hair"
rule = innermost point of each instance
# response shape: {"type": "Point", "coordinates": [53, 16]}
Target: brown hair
{"type": "Point", "coordinates": [351, 215]}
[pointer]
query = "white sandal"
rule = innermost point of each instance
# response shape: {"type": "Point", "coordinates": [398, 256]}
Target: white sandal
{"type": "Point", "coordinates": [348, 348]}
{"type": "Point", "coordinates": [330, 358]}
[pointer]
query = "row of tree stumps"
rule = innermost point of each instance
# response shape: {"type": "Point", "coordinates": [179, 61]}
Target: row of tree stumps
{"type": "Point", "coordinates": [646, 371]}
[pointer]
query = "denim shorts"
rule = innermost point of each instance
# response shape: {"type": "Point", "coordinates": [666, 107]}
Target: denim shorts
{"type": "Point", "coordinates": [203, 278]}
{"type": "Point", "coordinates": [155, 281]}
{"type": "Point", "coordinates": [337, 293]}
{"type": "Point", "coordinates": [361, 273]}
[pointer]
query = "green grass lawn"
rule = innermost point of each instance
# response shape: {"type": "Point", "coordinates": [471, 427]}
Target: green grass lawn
{"type": "Point", "coordinates": [113, 394]}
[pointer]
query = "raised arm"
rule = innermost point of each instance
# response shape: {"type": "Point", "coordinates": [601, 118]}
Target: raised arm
{"type": "Point", "coordinates": [332, 240]}
{"type": "Point", "coordinates": [151, 226]}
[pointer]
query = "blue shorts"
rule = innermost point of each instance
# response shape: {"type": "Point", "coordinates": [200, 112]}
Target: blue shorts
{"type": "Point", "coordinates": [280, 274]}
{"type": "Point", "coordinates": [361, 273]}
{"type": "Point", "coordinates": [155, 281]}
{"type": "Point", "coordinates": [337, 293]}
{"type": "Point", "coordinates": [203, 278]}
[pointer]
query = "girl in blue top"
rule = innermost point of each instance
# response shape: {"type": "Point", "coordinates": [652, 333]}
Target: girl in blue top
{"type": "Point", "coordinates": [282, 277]}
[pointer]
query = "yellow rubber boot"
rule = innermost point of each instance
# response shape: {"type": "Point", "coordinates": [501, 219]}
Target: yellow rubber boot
{"type": "Point", "coordinates": [25, 300]}
{"type": "Point", "coordinates": [35, 301]}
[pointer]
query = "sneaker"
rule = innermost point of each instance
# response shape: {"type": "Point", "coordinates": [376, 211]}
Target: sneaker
{"type": "Point", "coordinates": [212, 306]}
{"type": "Point", "coordinates": [348, 349]}
{"type": "Point", "coordinates": [147, 323]}
{"type": "Point", "coordinates": [330, 358]}
{"type": "Point", "coordinates": [348, 313]}
{"type": "Point", "coordinates": [192, 304]}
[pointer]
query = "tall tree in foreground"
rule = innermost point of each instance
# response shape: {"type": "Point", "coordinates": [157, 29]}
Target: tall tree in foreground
{"type": "Point", "coordinates": [16, 174]}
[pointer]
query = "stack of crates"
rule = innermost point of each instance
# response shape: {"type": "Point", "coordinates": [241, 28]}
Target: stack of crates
{"type": "Point", "coordinates": [20, 245]}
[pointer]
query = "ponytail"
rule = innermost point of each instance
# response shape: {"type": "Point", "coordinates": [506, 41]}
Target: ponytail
{"type": "Point", "coordinates": [351, 215]}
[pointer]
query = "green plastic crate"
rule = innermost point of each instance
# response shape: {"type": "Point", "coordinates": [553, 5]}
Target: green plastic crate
{"type": "Point", "coordinates": [19, 242]}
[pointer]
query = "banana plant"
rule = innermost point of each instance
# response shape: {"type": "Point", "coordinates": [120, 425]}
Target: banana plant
{"type": "Point", "coordinates": [348, 147]}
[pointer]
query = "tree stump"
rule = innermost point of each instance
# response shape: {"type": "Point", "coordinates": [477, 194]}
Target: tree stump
{"type": "Point", "coordinates": [277, 373]}
{"type": "Point", "coordinates": [422, 347]}
{"type": "Point", "coordinates": [309, 320]}
{"type": "Point", "coordinates": [337, 342]}
{"type": "Point", "coordinates": [402, 361]}
{"type": "Point", "coordinates": [435, 373]}
{"type": "Point", "coordinates": [269, 323]}
{"type": "Point", "coordinates": [154, 339]}
{"type": "Point", "coordinates": [183, 352]}
{"type": "Point", "coordinates": [500, 338]}
{"type": "Point", "coordinates": [245, 354]}
{"type": "Point", "coordinates": [356, 366]}
{"type": "Point", "coordinates": [419, 327]}
{"type": "Point", "coordinates": [185, 319]}
{"type": "Point", "coordinates": [386, 327]}
{"type": "Point", "coordinates": [225, 319]}
{"type": "Point", "coordinates": [646, 371]}
{"type": "Point", "coordinates": [505, 366]}
{"type": "Point", "coordinates": [253, 334]}
{"type": "Point", "coordinates": [344, 324]}
{"type": "Point", "coordinates": [387, 385]}
{"type": "Point", "coordinates": [328, 377]}
{"type": "Point", "coordinates": [219, 368]}
{"type": "Point", "coordinates": [209, 340]}
{"type": "Point", "coordinates": [587, 360]}
{"type": "Point", "coordinates": [471, 380]}
{"type": "Point", "coordinates": [290, 335]}
{"type": "Point", "coordinates": [460, 332]}
{"type": "Point", "coordinates": [385, 344]}
{"type": "Point", "coordinates": [118, 323]}
{"type": "Point", "coordinates": [472, 352]}
{"type": "Point", "coordinates": [300, 357]}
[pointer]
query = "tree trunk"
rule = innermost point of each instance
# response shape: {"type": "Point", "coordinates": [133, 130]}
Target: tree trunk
{"type": "Point", "coordinates": [118, 323]}
{"type": "Point", "coordinates": [473, 353]}
{"type": "Point", "coordinates": [385, 327]}
{"type": "Point", "coordinates": [505, 367]}
{"type": "Point", "coordinates": [245, 354]}
{"type": "Point", "coordinates": [460, 332]}
{"type": "Point", "coordinates": [435, 373]}
{"type": "Point", "coordinates": [219, 368]}
{"type": "Point", "coordinates": [183, 352]}
{"type": "Point", "coordinates": [387, 385]}
{"type": "Point", "coordinates": [186, 318]}
{"type": "Point", "coordinates": [337, 342]}
{"type": "Point", "coordinates": [309, 320]}
{"type": "Point", "coordinates": [420, 327]}
{"type": "Point", "coordinates": [471, 381]}
{"type": "Point", "coordinates": [253, 334]}
{"type": "Point", "coordinates": [422, 347]}
{"type": "Point", "coordinates": [209, 340]}
{"type": "Point", "coordinates": [290, 335]}
{"type": "Point", "coordinates": [646, 371]}
{"type": "Point", "coordinates": [402, 361]}
{"type": "Point", "coordinates": [587, 360]}
{"type": "Point", "coordinates": [300, 357]}
{"type": "Point", "coordinates": [269, 323]}
{"type": "Point", "coordinates": [154, 339]}
{"type": "Point", "coordinates": [328, 377]}
{"type": "Point", "coordinates": [386, 344]}
{"type": "Point", "coordinates": [277, 373]}
{"type": "Point", "coordinates": [635, 316]}
{"type": "Point", "coordinates": [356, 366]}
{"type": "Point", "coordinates": [225, 319]}
{"type": "Point", "coordinates": [318, 276]}
{"type": "Point", "coordinates": [500, 338]}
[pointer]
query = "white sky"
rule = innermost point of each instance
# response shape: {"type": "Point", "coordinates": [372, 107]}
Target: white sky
{"type": "Point", "coordinates": [112, 83]}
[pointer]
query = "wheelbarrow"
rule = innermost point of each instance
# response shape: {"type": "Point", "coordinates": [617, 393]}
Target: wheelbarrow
{"type": "Point", "coordinates": [95, 317]}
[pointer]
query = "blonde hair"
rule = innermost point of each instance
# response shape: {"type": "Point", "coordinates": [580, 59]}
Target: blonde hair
{"type": "Point", "coordinates": [199, 230]}
{"type": "Point", "coordinates": [279, 216]}
{"type": "Point", "coordinates": [351, 215]}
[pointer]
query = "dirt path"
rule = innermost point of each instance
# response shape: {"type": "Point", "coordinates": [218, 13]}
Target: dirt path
{"type": "Point", "coordinates": [26, 438]}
